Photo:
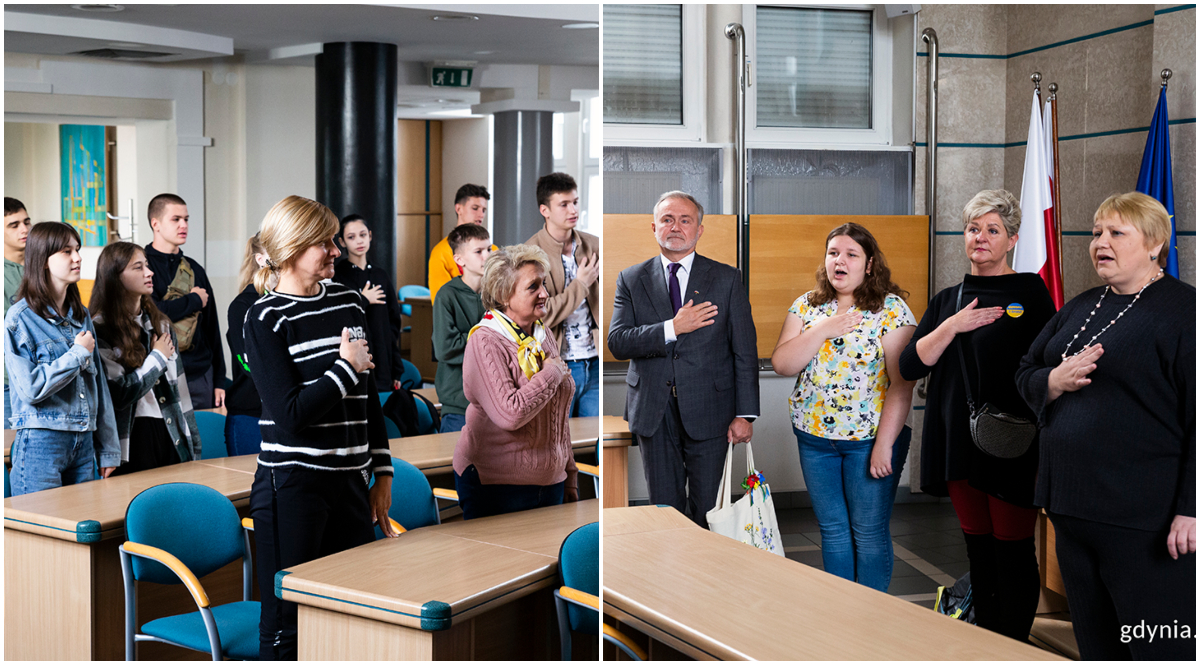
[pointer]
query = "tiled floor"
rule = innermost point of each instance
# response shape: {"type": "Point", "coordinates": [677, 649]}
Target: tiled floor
{"type": "Point", "coordinates": [928, 544]}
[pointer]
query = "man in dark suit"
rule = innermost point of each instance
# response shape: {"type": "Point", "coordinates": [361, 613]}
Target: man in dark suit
{"type": "Point", "coordinates": [684, 323]}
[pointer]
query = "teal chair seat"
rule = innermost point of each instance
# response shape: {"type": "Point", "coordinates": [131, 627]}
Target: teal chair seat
{"type": "Point", "coordinates": [237, 625]}
{"type": "Point", "coordinates": [407, 291]}
{"type": "Point", "coordinates": [212, 435]}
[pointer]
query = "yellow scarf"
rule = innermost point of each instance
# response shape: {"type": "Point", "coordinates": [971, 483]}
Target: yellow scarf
{"type": "Point", "coordinates": [530, 355]}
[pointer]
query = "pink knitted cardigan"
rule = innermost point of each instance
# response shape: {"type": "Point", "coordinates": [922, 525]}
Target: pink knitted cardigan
{"type": "Point", "coordinates": [517, 431]}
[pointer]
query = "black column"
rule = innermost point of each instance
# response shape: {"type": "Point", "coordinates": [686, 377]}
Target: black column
{"type": "Point", "coordinates": [356, 139]}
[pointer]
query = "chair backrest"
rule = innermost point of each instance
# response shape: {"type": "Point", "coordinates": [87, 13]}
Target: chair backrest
{"type": "Point", "coordinates": [424, 418]}
{"type": "Point", "coordinates": [212, 435]}
{"type": "Point", "coordinates": [579, 568]}
{"type": "Point", "coordinates": [410, 290]}
{"type": "Point", "coordinates": [413, 505]}
{"type": "Point", "coordinates": [411, 378]}
{"type": "Point", "coordinates": [195, 523]}
{"type": "Point", "coordinates": [393, 430]}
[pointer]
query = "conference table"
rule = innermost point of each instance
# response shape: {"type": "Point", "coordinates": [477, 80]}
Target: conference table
{"type": "Point", "coordinates": [616, 439]}
{"type": "Point", "coordinates": [480, 589]}
{"type": "Point", "coordinates": [712, 598]}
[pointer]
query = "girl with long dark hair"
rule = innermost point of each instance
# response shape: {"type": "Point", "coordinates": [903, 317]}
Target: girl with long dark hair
{"type": "Point", "coordinates": [146, 379]}
{"type": "Point", "coordinates": [60, 403]}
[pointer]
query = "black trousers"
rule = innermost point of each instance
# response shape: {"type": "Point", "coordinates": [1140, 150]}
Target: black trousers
{"type": "Point", "coordinates": [301, 515]}
{"type": "Point", "coordinates": [1122, 584]}
{"type": "Point", "coordinates": [682, 472]}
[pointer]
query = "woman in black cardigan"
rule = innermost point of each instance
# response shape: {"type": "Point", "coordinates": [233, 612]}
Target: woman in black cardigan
{"type": "Point", "coordinates": [1112, 379]}
{"type": "Point", "coordinates": [992, 316]}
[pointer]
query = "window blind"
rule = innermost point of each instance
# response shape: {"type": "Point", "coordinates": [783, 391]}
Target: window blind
{"type": "Point", "coordinates": [643, 70]}
{"type": "Point", "coordinates": [814, 68]}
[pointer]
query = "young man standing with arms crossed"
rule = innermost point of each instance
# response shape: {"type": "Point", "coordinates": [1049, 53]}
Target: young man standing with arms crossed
{"type": "Point", "coordinates": [16, 230]}
{"type": "Point", "coordinates": [182, 291]}
{"type": "Point", "coordinates": [572, 310]}
{"type": "Point", "coordinates": [470, 204]}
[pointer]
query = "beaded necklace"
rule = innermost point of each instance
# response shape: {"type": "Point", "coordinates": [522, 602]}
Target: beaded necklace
{"type": "Point", "coordinates": [1110, 323]}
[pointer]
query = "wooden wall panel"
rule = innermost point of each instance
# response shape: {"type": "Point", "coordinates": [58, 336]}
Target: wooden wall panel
{"type": "Point", "coordinates": [629, 240]}
{"type": "Point", "coordinates": [786, 250]}
{"type": "Point", "coordinates": [412, 256]}
{"type": "Point", "coordinates": [418, 194]}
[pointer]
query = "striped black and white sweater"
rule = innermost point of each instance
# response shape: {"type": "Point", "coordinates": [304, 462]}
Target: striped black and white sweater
{"type": "Point", "coordinates": [317, 413]}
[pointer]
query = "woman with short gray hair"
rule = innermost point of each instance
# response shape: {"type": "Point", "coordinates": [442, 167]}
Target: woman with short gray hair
{"type": "Point", "coordinates": [514, 452]}
{"type": "Point", "coordinates": [992, 317]}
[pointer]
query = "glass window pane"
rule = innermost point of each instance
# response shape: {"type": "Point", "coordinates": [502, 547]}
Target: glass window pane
{"type": "Point", "coordinates": [814, 68]}
{"type": "Point", "coordinates": [643, 64]}
{"type": "Point", "coordinates": [595, 136]}
{"type": "Point", "coordinates": [557, 141]}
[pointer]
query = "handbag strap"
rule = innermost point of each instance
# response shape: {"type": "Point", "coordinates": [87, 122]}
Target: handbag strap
{"type": "Point", "coordinates": [725, 492]}
{"type": "Point", "coordinates": [962, 361]}
{"type": "Point", "coordinates": [750, 468]}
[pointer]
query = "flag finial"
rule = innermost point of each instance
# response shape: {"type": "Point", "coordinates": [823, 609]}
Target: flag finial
{"type": "Point", "coordinates": [1166, 75]}
{"type": "Point", "coordinates": [1053, 88]}
{"type": "Point", "coordinates": [1036, 77]}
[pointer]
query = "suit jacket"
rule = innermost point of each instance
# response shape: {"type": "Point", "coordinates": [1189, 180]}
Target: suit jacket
{"type": "Point", "coordinates": [714, 369]}
{"type": "Point", "coordinates": [566, 299]}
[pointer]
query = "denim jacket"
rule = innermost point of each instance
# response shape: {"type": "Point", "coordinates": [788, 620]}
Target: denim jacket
{"type": "Point", "coordinates": [56, 384]}
{"type": "Point", "coordinates": [162, 376]}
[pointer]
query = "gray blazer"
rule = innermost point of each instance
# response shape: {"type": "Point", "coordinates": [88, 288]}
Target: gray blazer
{"type": "Point", "coordinates": [714, 369]}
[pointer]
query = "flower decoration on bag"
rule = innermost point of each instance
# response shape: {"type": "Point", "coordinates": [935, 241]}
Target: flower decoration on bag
{"type": "Point", "coordinates": [753, 480]}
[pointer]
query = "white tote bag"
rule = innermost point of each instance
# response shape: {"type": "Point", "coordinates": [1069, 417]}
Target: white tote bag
{"type": "Point", "coordinates": [750, 519]}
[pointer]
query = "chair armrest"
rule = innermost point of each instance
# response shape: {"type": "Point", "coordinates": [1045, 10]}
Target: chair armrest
{"type": "Point", "coordinates": [248, 523]}
{"type": "Point", "coordinates": [449, 495]}
{"type": "Point", "coordinates": [617, 635]}
{"type": "Point", "coordinates": [588, 469]}
{"type": "Point", "coordinates": [396, 526]}
{"type": "Point", "coordinates": [170, 561]}
{"type": "Point", "coordinates": [579, 597]}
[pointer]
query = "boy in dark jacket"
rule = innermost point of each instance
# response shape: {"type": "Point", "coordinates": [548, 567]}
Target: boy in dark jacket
{"type": "Point", "coordinates": [454, 314]}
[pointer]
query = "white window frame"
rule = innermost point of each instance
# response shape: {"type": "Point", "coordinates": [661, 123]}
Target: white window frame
{"type": "Point", "coordinates": [694, 81]}
{"type": "Point", "coordinates": [587, 166]}
{"type": "Point", "coordinates": [879, 135]}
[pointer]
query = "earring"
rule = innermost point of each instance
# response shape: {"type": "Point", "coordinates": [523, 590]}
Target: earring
{"type": "Point", "coordinates": [1153, 257]}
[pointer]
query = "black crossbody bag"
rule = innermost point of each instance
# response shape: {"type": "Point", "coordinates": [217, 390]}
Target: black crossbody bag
{"type": "Point", "coordinates": [994, 432]}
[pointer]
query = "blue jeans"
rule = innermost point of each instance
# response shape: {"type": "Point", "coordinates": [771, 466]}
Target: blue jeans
{"type": "Point", "coordinates": [243, 436]}
{"type": "Point", "coordinates": [586, 373]}
{"type": "Point", "coordinates": [479, 500]}
{"type": "Point", "coordinates": [43, 459]}
{"type": "Point", "coordinates": [853, 509]}
{"type": "Point", "coordinates": [453, 422]}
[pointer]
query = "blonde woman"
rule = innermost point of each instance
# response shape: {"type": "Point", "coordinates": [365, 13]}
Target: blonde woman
{"type": "Point", "coordinates": [322, 426]}
{"type": "Point", "coordinates": [515, 449]}
{"type": "Point", "coordinates": [242, 404]}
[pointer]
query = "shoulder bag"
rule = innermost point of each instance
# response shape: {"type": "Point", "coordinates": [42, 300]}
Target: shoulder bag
{"type": "Point", "coordinates": [994, 432]}
{"type": "Point", "coordinates": [750, 519]}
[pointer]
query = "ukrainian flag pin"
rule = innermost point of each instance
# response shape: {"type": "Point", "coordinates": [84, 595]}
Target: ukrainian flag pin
{"type": "Point", "coordinates": [1015, 310]}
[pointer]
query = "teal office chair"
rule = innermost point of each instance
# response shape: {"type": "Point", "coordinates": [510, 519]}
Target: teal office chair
{"type": "Point", "coordinates": [212, 435]}
{"type": "Point", "coordinates": [407, 291]}
{"type": "Point", "coordinates": [178, 533]}
{"type": "Point", "coordinates": [424, 418]}
{"type": "Point", "coordinates": [577, 599]}
{"type": "Point", "coordinates": [411, 378]}
{"type": "Point", "coordinates": [393, 430]}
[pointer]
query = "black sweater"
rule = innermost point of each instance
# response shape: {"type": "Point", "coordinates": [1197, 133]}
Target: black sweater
{"type": "Point", "coordinates": [205, 351]}
{"type": "Point", "coordinates": [1122, 449]}
{"type": "Point", "coordinates": [383, 320]}
{"type": "Point", "coordinates": [993, 354]}
{"type": "Point", "coordinates": [242, 397]}
{"type": "Point", "coordinates": [317, 412]}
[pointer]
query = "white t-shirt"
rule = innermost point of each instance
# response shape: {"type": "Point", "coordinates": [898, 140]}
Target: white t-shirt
{"type": "Point", "coordinates": [577, 329]}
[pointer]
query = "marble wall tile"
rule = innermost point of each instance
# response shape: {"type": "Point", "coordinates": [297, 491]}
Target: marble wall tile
{"type": "Point", "coordinates": [962, 173]}
{"type": "Point", "coordinates": [1183, 174]}
{"type": "Point", "coordinates": [952, 261]}
{"type": "Point", "coordinates": [1065, 65]}
{"type": "Point", "coordinates": [1111, 167]}
{"type": "Point", "coordinates": [1078, 273]}
{"type": "Point", "coordinates": [1119, 81]}
{"type": "Point", "coordinates": [1175, 49]}
{"type": "Point", "coordinates": [919, 180]}
{"type": "Point", "coordinates": [1187, 259]}
{"type": "Point", "coordinates": [1031, 26]}
{"type": "Point", "coordinates": [967, 28]}
{"type": "Point", "coordinates": [971, 98]}
{"type": "Point", "coordinates": [1077, 211]}
{"type": "Point", "coordinates": [1014, 168]}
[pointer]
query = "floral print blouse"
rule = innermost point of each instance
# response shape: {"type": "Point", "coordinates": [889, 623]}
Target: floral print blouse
{"type": "Point", "coordinates": [839, 395]}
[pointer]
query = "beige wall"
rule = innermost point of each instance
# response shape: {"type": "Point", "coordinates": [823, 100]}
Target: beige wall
{"type": "Point", "coordinates": [466, 158]}
{"type": "Point", "coordinates": [31, 168]}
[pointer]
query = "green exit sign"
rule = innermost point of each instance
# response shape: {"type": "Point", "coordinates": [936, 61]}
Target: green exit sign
{"type": "Point", "coordinates": [450, 77]}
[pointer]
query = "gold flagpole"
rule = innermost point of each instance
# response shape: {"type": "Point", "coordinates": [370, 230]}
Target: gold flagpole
{"type": "Point", "coordinates": [1053, 88]}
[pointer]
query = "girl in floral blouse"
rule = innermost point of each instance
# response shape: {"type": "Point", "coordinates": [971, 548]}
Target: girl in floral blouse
{"type": "Point", "coordinates": [844, 339]}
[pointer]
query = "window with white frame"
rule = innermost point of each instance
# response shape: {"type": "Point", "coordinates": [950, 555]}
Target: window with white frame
{"type": "Point", "coordinates": [821, 75]}
{"type": "Point", "coordinates": [653, 73]}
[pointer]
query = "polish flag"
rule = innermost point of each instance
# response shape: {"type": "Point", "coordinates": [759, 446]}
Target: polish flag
{"type": "Point", "coordinates": [1037, 244]}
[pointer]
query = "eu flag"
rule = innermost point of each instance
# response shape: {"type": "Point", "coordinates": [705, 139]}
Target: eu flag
{"type": "Point", "coordinates": [1155, 177]}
